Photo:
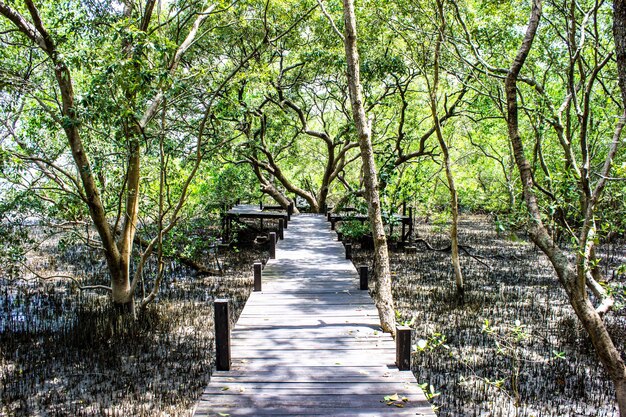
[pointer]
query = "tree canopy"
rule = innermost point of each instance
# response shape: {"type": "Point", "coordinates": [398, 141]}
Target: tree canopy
{"type": "Point", "coordinates": [131, 117]}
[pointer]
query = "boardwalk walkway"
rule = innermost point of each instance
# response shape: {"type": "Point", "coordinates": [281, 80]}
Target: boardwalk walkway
{"type": "Point", "coordinates": [310, 342]}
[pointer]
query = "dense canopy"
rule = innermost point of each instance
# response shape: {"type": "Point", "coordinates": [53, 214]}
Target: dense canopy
{"type": "Point", "coordinates": [128, 121]}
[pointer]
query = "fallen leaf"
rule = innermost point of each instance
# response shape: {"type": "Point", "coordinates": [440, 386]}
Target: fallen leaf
{"type": "Point", "coordinates": [393, 397]}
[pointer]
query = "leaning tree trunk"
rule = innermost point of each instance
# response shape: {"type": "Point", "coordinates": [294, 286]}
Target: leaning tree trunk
{"type": "Point", "coordinates": [567, 272]}
{"type": "Point", "coordinates": [382, 273]}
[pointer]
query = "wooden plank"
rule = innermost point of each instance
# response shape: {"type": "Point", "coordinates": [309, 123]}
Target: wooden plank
{"type": "Point", "coordinates": [292, 360]}
{"type": "Point", "coordinates": [309, 343]}
{"type": "Point", "coordinates": [246, 399]}
{"type": "Point", "coordinates": [312, 331]}
{"type": "Point", "coordinates": [320, 387]}
{"type": "Point", "coordinates": [308, 411]}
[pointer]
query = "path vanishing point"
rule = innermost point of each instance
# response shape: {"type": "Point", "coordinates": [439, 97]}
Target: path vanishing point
{"type": "Point", "coordinates": [309, 343]}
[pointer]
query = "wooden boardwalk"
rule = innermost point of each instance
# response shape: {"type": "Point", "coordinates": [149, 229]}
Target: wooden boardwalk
{"type": "Point", "coordinates": [310, 343]}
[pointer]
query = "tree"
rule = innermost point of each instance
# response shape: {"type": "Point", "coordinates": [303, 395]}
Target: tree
{"type": "Point", "coordinates": [454, 199]}
{"type": "Point", "coordinates": [382, 273]}
{"type": "Point", "coordinates": [138, 78]}
{"type": "Point", "coordinates": [572, 274]}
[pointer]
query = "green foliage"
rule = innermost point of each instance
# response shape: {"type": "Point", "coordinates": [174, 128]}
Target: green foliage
{"type": "Point", "coordinates": [433, 342]}
{"type": "Point", "coordinates": [353, 229]}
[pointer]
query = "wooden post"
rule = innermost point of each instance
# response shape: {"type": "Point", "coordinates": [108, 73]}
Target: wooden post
{"type": "Point", "coordinates": [339, 236]}
{"type": "Point", "coordinates": [281, 229]}
{"type": "Point", "coordinates": [223, 219]}
{"type": "Point", "coordinates": [328, 216]}
{"type": "Point", "coordinates": [332, 225]}
{"type": "Point", "coordinates": [403, 348]}
{"type": "Point", "coordinates": [285, 222]}
{"type": "Point", "coordinates": [226, 236]}
{"type": "Point", "coordinates": [363, 277]}
{"type": "Point", "coordinates": [348, 250]}
{"type": "Point", "coordinates": [272, 245]}
{"type": "Point", "coordinates": [261, 205]}
{"type": "Point", "coordinates": [289, 210]}
{"type": "Point", "coordinates": [258, 273]}
{"type": "Point", "coordinates": [222, 335]}
{"type": "Point", "coordinates": [410, 221]}
{"type": "Point", "coordinates": [404, 208]}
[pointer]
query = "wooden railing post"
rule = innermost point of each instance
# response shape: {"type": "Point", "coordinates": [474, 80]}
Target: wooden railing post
{"type": "Point", "coordinates": [281, 229]}
{"type": "Point", "coordinates": [272, 245]}
{"type": "Point", "coordinates": [289, 211]}
{"type": "Point", "coordinates": [410, 221]}
{"type": "Point", "coordinates": [403, 348]}
{"type": "Point", "coordinates": [348, 250]}
{"type": "Point", "coordinates": [363, 277]}
{"type": "Point", "coordinates": [258, 273]}
{"type": "Point", "coordinates": [222, 335]}
{"type": "Point", "coordinates": [328, 216]}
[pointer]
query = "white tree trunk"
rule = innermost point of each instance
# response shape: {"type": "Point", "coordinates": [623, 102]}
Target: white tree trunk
{"type": "Point", "coordinates": [382, 273]}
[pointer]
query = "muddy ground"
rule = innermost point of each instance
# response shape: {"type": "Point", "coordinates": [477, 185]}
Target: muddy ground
{"type": "Point", "coordinates": [532, 358]}
{"type": "Point", "coordinates": [64, 353]}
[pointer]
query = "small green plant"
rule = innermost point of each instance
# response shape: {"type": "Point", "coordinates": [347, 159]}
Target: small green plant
{"type": "Point", "coordinates": [509, 343]}
{"type": "Point", "coordinates": [403, 322]}
{"type": "Point", "coordinates": [434, 341]}
{"type": "Point", "coordinates": [440, 221]}
{"type": "Point", "coordinates": [430, 393]}
{"type": "Point", "coordinates": [353, 229]}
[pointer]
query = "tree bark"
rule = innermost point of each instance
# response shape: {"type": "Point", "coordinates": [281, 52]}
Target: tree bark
{"type": "Point", "coordinates": [569, 275]}
{"type": "Point", "coordinates": [382, 273]}
{"type": "Point", "coordinates": [454, 199]}
{"type": "Point", "coordinates": [619, 34]}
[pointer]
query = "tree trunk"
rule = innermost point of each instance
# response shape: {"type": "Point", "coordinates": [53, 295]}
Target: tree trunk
{"type": "Point", "coordinates": [454, 199]}
{"type": "Point", "coordinates": [567, 272]}
{"type": "Point", "coordinates": [619, 35]}
{"type": "Point", "coordinates": [121, 293]}
{"type": "Point", "coordinates": [454, 228]}
{"type": "Point", "coordinates": [382, 273]}
{"type": "Point", "coordinates": [270, 189]}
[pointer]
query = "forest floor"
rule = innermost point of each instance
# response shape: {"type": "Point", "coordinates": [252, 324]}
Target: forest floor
{"type": "Point", "coordinates": [514, 341]}
{"type": "Point", "coordinates": [63, 352]}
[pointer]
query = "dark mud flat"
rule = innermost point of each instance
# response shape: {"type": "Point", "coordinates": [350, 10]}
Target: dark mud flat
{"type": "Point", "coordinates": [63, 353]}
{"type": "Point", "coordinates": [536, 360]}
